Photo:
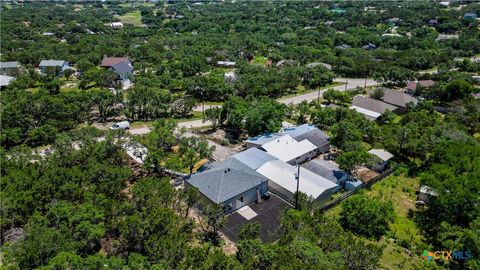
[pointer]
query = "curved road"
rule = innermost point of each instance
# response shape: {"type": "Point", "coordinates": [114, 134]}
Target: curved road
{"type": "Point", "coordinates": [349, 83]}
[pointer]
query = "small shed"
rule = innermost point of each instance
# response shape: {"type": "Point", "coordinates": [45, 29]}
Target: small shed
{"type": "Point", "coordinates": [426, 193]}
{"type": "Point", "coordinates": [381, 157]}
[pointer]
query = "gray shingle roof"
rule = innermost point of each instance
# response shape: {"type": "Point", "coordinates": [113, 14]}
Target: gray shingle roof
{"type": "Point", "coordinates": [254, 157]}
{"type": "Point", "coordinates": [372, 104]}
{"type": "Point", "coordinates": [12, 64]}
{"type": "Point", "coordinates": [397, 98]}
{"type": "Point", "coordinates": [226, 179]}
{"type": "Point", "coordinates": [308, 132]}
{"type": "Point", "coordinates": [325, 169]}
{"type": "Point", "coordinates": [123, 68]}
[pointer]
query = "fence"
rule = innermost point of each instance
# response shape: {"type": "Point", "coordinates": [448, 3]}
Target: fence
{"type": "Point", "coordinates": [344, 196]}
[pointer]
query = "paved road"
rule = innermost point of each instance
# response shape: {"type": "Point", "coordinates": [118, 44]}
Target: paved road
{"type": "Point", "coordinates": [350, 84]}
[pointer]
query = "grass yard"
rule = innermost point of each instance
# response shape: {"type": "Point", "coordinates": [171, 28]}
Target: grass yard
{"type": "Point", "coordinates": [260, 60]}
{"type": "Point", "coordinates": [134, 18]}
{"type": "Point", "coordinates": [401, 190]}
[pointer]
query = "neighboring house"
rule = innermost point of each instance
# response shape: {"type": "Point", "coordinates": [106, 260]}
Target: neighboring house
{"type": "Point", "coordinates": [116, 25]}
{"type": "Point", "coordinates": [426, 193]}
{"type": "Point", "coordinates": [122, 66]}
{"type": "Point", "coordinates": [289, 150]}
{"type": "Point", "coordinates": [397, 98]}
{"type": "Point", "coordinates": [432, 22]}
{"type": "Point", "coordinates": [394, 21]}
{"type": "Point", "coordinates": [283, 182]}
{"type": "Point", "coordinates": [338, 10]}
{"type": "Point", "coordinates": [328, 171]}
{"type": "Point", "coordinates": [380, 159]}
{"type": "Point", "coordinates": [55, 66]}
{"type": "Point", "coordinates": [446, 37]}
{"type": "Point", "coordinates": [412, 86]}
{"type": "Point", "coordinates": [470, 16]}
{"type": "Point", "coordinates": [230, 76]}
{"type": "Point", "coordinates": [5, 80]}
{"type": "Point", "coordinates": [285, 63]}
{"type": "Point", "coordinates": [444, 3]}
{"type": "Point", "coordinates": [227, 64]}
{"type": "Point", "coordinates": [10, 68]}
{"type": "Point", "coordinates": [229, 184]}
{"type": "Point", "coordinates": [254, 158]}
{"type": "Point", "coordinates": [369, 46]}
{"type": "Point", "coordinates": [310, 133]}
{"type": "Point", "coordinates": [343, 46]}
{"type": "Point", "coordinates": [371, 108]}
{"type": "Point", "coordinates": [314, 64]}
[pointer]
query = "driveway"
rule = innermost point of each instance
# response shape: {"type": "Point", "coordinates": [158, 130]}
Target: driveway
{"type": "Point", "coordinates": [268, 214]}
{"type": "Point", "coordinates": [221, 152]}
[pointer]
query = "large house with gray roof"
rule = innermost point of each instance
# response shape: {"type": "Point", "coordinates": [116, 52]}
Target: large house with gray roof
{"type": "Point", "coordinates": [10, 68]}
{"type": "Point", "coordinates": [122, 67]}
{"type": "Point", "coordinates": [397, 98]}
{"type": "Point", "coordinates": [231, 184]}
{"type": "Point", "coordinates": [371, 108]}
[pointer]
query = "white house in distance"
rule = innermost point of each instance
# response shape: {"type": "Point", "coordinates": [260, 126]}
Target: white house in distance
{"type": "Point", "coordinates": [55, 66]}
{"type": "Point", "coordinates": [282, 181]}
{"type": "Point", "coordinates": [116, 25]}
{"type": "Point", "coordinates": [289, 150]}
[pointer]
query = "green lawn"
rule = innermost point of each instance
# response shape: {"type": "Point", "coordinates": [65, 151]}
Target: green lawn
{"type": "Point", "coordinates": [134, 18]}
{"type": "Point", "coordinates": [401, 190]}
{"type": "Point", "coordinates": [260, 60]}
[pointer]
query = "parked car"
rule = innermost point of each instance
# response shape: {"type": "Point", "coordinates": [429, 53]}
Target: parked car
{"type": "Point", "coordinates": [120, 125]}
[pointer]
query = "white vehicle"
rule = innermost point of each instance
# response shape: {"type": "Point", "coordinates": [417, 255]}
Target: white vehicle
{"type": "Point", "coordinates": [121, 125]}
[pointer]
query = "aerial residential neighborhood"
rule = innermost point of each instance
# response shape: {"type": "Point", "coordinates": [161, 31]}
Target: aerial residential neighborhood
{"type": "Point", "coordinates": [234, 134]}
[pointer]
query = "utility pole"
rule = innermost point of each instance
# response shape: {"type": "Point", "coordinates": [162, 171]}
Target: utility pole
{"type": "Point", "coordinates": [318, 100]}
{"type": "Point", "coordinates": [401, 140]}
{"type": "Point", "coordinates": [365, 85]}
{"type": "Point", "coordinates": [346, 83]}
{"type": "Point", "coordinates": [297, 177]}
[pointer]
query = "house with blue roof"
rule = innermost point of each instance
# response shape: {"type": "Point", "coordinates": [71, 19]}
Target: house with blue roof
{"type": "Point", "coordinates": [333, 173]}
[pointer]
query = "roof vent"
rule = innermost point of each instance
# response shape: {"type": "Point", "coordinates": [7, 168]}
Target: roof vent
{"type": "Point", "coordinates": [228, 169]}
